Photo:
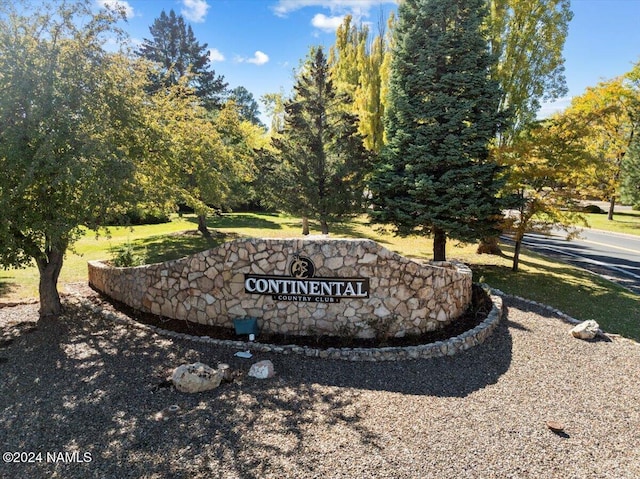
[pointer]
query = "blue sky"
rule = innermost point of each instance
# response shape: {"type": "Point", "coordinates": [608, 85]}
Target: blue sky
{"type": "Point", "coordinates": [258, 43]}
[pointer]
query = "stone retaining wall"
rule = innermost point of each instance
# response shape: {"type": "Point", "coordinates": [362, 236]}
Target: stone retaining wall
{"type": "Point", "coordinates": [404, 296]}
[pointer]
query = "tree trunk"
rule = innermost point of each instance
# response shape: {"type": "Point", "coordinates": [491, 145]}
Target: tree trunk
{"type": "Point", "coordinates": [612, 205]}
{"type": "Point", "coordinates": [516, 254]}
{"type": "Point", "coordinates": [305, 225]}
{"type": "Point", "coordinates": [439, 244]}
{"type": "Point", "coordinates": [202, 226]}
{"type": "Point", "coordinates": [324, 227]}
{"type": "Point", "coordinates": [489, 246]}
{"type": "Point", "coordinates": [49, 268]}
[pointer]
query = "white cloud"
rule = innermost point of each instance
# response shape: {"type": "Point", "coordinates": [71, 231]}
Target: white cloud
{"type": "Point", "coordinates": [259, 58]}
{"type": "Point", "coordinates": [195, 10]}
{"type": "Point", "coordinates": [117, 5]}
{"type": "Point", "coordinates": [216, 55]}
{"type": "Point", "coordinates": [359, 7]}
{"type": "Point", "coordinates": [328, 24]}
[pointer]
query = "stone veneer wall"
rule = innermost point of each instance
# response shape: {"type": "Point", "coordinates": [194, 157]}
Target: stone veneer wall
{"type": "Point", "coordinates": [405, 296]}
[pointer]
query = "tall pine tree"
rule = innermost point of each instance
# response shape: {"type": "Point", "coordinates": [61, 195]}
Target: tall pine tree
{"type": "Point", "coordinates": [323, 162]}
{"type": "Point", "coordinates": [174, 48]}
{"type": "Point", "coordinates": [247, 105]}
{"type": "Point", "coordinates": [435, 175]}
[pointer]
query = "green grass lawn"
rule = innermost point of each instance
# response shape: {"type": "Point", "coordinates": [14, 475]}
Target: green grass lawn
{"type": "Point", "coordinates": [574, 291]}
{"type": "Point", "coordinates": [625, 221]}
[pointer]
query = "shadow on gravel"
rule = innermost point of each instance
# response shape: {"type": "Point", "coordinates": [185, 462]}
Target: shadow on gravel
{"type": "Point", "coordinates": [81, 385]}
{"type": "Point", "coordinates": [518, 326]}
{"type": "Point", "coordinates": [10, 332]}
{"type": "Point", "coordinates": [452, 376]}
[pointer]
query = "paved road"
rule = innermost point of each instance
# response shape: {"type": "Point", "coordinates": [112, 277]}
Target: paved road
{"type": "Point", "coordinates": [614, 256]}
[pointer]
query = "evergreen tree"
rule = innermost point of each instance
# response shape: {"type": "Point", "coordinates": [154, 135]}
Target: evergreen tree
{"type": "Point", "coordinates": [247, 105]}
{"type": "Point", "coordinates": [174, 48]}
{"type": "Point", "coordinates": [630, 191]}
{"type": "Point", "coordinates": [435, 176]}
{"type": "Point", "coordinates": [323, 160]}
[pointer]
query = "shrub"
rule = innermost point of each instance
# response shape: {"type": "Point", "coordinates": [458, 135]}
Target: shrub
{"type": "Point", "coordinates": [126, 257]}
{"type": "Point", "coordinates": [140, 216]}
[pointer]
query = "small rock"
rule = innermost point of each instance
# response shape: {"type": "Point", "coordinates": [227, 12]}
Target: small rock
{"type": "Point", "coordinates": [555, 426]}
{"type": "Point", "coordinates": [586, 330]}
{"type": "Point", "coordinates": [226, 372]}
{"type": "Point", "coordinates": [262, 370]}
{"type": "Point", "coordinates": [167, 412]}
{"type": "Point", "coordinates": [162, 385]}
{"type": "Point", "coordinates": [196, 377]}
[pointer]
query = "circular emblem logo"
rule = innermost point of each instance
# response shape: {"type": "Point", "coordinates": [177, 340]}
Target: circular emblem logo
{"type": "Point", "coordinates": [302, 267]}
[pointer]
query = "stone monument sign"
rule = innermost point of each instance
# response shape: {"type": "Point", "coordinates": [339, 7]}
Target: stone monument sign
{"type": "Point", "coordinates": [308, 286]}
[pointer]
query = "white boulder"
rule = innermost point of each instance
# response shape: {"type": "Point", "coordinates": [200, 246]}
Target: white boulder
{"type": "Point", "coordinates": [262, 370]}
{"type": "Point", "coordinates": [586, 330]}
{"type": "Point", "coordinates": [196, 377]}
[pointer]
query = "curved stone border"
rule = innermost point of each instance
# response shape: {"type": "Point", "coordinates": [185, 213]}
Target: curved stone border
{"type": "Point", "coordinates": [551, 309]}
{"type": "Point", "coordinates": [561, 315]}
{"type": "Point", "coordinates": [451, 346]}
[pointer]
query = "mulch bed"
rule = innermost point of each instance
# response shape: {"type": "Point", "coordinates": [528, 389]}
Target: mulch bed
{"type": "Point", "coordinates": [475, 314]}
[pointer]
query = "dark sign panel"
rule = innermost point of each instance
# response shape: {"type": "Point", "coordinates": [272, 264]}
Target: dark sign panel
{"type": "Point", "coordinates": [302, 286]}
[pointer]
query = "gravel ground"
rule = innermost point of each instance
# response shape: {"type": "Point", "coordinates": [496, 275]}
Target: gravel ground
{"type": "Point", "coordinates": [84, 386]}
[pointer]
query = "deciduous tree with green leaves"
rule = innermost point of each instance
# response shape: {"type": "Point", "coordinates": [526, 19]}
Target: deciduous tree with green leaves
{"type": "Point", "coordinates": [528, 37]}
{"type": "Point", "coordinates": [611, 111]}
{"type": "Point", "coordinates": [199, 156]}
{"type": "Point", "coordinates": [321, 161]}
{"type": "Point", "coordinates": [546, 164]}
{"type": "Point", "coordinates": [435, 175]}
{"type": "Point", "coordinates": [70, 115]}
{"type": "Point", "coordinates": [359, 66]}
{"type": "Point", "coordinates": [274, 108]}
{"type": "Point", "coordinates": [242, 138]}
